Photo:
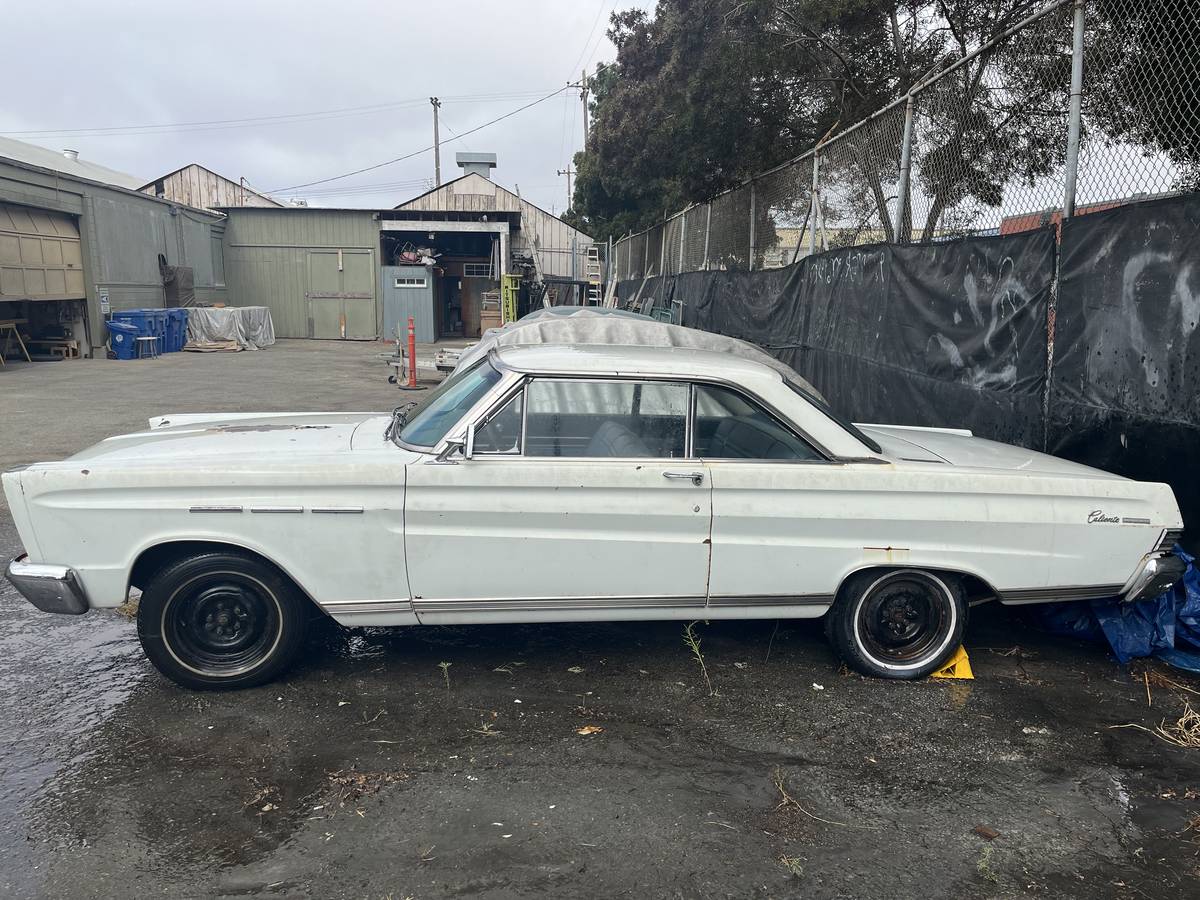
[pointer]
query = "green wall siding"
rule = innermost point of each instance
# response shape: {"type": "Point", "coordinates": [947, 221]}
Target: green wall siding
{"type": "Point", "coordinates": [122, 233]}
{"type": "Point", "coordinates": [266, 257]}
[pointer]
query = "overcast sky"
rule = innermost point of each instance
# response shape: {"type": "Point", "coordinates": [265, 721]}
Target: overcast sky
{"type": "Point", "coordinates": [121, 63]}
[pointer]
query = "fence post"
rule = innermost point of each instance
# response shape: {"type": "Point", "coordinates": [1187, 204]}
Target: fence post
{"type": "Point", "coordinates": [682, 236]}
{"type": "Point", "coordinates": [1075, 113]}
{"type": "Point", "coordinates": [646, 256]}
{"type": "Point", "coordinates": [813, 204]}
{"type": "Point", "coordinates": [901, 233]}
{"type": "Point", "coordinates": [752, 211]}
{"type": "Point", "coordinates": [662, 249]}
{"type": "Point", "coordinates": [707, 233]}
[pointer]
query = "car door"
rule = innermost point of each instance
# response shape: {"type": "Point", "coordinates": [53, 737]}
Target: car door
{"type": "Point", "coordinates": [579, 499]}
{"type": "Point", "coordinates": [782, 516]}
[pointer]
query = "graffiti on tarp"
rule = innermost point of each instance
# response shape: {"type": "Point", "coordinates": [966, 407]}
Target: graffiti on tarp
{"type": "Point", "coordinates": [849, 266]}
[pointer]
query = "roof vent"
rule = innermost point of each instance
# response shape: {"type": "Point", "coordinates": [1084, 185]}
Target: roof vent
{"type": "Point", "coordinates": [476, 163]}
{"type": "Point", "coordinates": [71, 154]}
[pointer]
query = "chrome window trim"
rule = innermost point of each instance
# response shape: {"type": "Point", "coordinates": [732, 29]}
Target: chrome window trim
{"type": "Point", "coordinates": [524, 376]}
{"type": "Point", "coordinates": [605, 379]}
{"type": "Point", "coordinates": [494, 409]}
{"type": "Point", "coordinates": [784, 422]}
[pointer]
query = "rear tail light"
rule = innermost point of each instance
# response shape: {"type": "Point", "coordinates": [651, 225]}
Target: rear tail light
{"type": "Point", "coordinates": [1170, 538]}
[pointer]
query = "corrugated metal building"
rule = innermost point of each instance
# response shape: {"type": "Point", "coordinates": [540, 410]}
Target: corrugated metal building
{"type": "Point", "coordinates": [73, 233]}
{"type": "Point", "coordinates": [194, 185]}
{"type": "Point", "coordinates": [316, 269]}
{"type": "Point", "coordinates": [351, 274]}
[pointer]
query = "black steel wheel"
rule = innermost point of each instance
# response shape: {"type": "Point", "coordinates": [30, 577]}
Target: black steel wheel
{"type": "Point", "coordinates": [221, 619]}
{"type": "Point", "coordinates": [899, 623]}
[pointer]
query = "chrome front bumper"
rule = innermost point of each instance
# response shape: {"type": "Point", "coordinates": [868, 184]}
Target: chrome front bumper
{"type": "Point", "coordinates": [53, 589]}
{"type": "Point", "coordinates": [1158, 573]}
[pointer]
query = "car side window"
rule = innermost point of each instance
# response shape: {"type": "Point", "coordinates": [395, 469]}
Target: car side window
{"type": "Point", "coordinates": [630, 419]}
{"type": "Point", "coordinates": [500, 433]}
{"type": "Point", "coordinates": [731, 426]}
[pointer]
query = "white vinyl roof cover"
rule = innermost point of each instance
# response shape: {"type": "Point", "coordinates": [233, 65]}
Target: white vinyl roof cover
{"type": "Point", "coordinates": [596, 326]}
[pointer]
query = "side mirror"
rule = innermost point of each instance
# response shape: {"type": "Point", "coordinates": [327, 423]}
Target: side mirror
{"type": "Point", "coordinates": [452, 447]}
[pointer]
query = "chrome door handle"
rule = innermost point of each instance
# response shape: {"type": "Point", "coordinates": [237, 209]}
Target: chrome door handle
{"type": "Point", "coordinates": [696, 478]}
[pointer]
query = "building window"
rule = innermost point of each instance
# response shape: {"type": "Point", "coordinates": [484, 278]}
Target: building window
{"type": "Point", "coordinates": [477, 270]}
{"type": "Point", "coordinates": [410, 282]}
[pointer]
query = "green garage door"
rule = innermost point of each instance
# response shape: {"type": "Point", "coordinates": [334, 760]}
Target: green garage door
{"type": "Point", "coordinates": [341, 294]}
{"type": "Point", "coordinates": [40, 257]}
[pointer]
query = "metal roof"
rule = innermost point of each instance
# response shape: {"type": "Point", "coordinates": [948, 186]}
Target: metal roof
{"type": "Point", "coordinates": [45, 158]}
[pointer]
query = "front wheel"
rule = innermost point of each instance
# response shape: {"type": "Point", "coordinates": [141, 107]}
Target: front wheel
{"type": "Point", "coordinates": [902, 623]}
{"type": "Point", "coordinates": [221, 619]}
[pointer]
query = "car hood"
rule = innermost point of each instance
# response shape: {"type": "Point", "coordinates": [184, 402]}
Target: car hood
{"type": "Point", "coordinates": [251, 436]}
{"type": "Point", "coordinates": [961, 448]}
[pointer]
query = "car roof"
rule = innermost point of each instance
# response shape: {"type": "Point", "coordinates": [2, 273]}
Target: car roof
{"type": "Point", "coordinates": [628, 359]}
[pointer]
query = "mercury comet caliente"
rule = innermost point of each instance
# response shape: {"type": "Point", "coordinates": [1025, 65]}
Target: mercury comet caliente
{"type": "Point", "coordinates": [554, 483]}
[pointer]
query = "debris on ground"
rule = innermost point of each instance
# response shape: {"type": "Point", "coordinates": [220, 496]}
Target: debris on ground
{"type": "Point", "coordinates": [986, 832]}
{"type": "Point", "coordinates": [1183, 732]}
{"type": "Point", "coordinates": [589, 729]}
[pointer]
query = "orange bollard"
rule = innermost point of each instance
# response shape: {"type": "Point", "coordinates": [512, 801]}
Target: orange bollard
{"type": "Point", "coordinates": [412, 353]}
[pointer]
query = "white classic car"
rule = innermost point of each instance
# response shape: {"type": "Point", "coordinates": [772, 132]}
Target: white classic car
{"type": "Point", "coordinates": [551, 482]}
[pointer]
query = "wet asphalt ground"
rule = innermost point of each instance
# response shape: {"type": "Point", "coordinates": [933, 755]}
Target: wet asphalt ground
{"type": "Point", "coordinates": [449, 762]}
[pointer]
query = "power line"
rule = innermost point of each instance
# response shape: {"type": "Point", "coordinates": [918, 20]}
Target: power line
{"type": "Point", "coordinates": [587, 43]}
{"type": "Point", "coordinates": [389, 162]}
{"type": "Point", "coordinates": [253, 121]}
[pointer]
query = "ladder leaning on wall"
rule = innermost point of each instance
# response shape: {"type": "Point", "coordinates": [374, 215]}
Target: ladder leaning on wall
{"type": "Point", "coordinates": [593, 274]}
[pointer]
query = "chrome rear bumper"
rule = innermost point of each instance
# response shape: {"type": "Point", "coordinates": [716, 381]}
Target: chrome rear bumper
{"type": "Point", "coordinates": [53, 589]}
{"type": "Point", "coordinates": [1157, 574]}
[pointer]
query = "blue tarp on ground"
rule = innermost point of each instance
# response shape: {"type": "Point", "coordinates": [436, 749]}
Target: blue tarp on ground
{"type": "Point", "coordinates": [1167, 627]}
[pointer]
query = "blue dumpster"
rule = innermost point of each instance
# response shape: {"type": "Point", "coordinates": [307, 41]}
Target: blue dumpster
{"type": "Point", "coordinates": [176, 329]}
{"type": "Point", "coordinates": [122, 338]}
{"type": "Point", "coordinates": [149, 322]}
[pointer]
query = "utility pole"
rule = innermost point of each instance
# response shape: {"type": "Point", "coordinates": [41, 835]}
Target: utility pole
{"type": "Point", "coordinates": [568, 171]}
{"type": "Point", "coordinates": [583, 92]}
{"type": "Point", "coordinates": [437, 147]}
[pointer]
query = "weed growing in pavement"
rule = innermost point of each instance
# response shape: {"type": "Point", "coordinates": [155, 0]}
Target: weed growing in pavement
{"type": "Point", "coordinates": [692, 642]}
{"type": "Point", "coordinates": [985, 868]}
{"type": "Point", "coordinates": [445, 667]}
{"type": "Point", "coordinates": [793, 864]}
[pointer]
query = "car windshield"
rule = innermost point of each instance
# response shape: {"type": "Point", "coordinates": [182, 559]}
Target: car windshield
{"type": "Point", "coordinates": [449, 403]}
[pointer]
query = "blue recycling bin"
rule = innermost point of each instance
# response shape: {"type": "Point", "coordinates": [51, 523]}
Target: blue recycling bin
{"type": "Point", "coordinates": [122, 339]}
{"type": "Point", "coordinates": [176, 329]}
{"type": "Point", "coordinates": [149, 323]}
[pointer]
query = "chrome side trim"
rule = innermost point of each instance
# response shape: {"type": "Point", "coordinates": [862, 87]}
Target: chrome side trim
{"type": "Point", "coordinates": [277, 509]}
{"type": "Point", "coordinates": [1135, 520]}
{"type": "Point", "coordinates": [772, 600]}
{"type": "Point", "coordinates": [214, 509]}
{"type": "Point", "coordinates": [1054, 594]}
{"type": "Point", "coordinates": [490, 604]}
{"type": "Point", "coordinates": [338, 510]}
{"type": "Point", "coordinates": [367, 606]}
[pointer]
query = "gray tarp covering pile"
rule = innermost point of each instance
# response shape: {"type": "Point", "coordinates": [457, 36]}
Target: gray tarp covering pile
{"type": "Point", "coordinates": [599, 326]}
{"type": "Point", "coordinates": [229, 328]}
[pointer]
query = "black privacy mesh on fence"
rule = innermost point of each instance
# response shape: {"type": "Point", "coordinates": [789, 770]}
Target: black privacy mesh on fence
{"type": "Point", "coordinates": [948, 334]}
{"type": "Point", "coordinates": [1126, 382]}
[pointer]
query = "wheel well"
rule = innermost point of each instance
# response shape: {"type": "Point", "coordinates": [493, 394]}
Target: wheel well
{"type": "Point", "coordinates": [974, 587]}
{"type": "Point", "coordinates": [152, 559]}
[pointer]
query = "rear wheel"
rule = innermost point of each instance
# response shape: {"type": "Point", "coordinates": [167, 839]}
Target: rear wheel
{"type": "Point", "coordinates": [902, 623]}
{"type": "Point", "coordinates": [221, 619]}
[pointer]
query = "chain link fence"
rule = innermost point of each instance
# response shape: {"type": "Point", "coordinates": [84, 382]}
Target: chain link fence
{"type": "Point", "coordinates": [987, 146]}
